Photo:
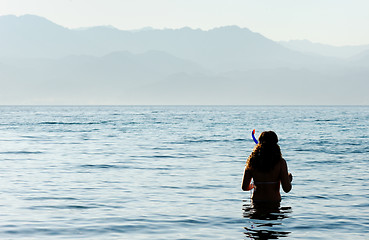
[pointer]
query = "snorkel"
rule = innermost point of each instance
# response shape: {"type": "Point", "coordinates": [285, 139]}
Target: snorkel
{"type": "Point", "coordinates": [252, 185]}
{"type": "Point", "coordinates": [253, 136]}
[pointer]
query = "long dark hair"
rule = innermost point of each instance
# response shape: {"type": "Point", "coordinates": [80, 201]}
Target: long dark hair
{"type": "Point", "coordinates": [266, 153]}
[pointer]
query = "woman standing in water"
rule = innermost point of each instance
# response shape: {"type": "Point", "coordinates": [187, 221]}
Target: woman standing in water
{"type": "Point", "coordinates": [268, 169]}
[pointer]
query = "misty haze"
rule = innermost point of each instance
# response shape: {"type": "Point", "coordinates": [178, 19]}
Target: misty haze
{"type": "Point", "coordinates": [44, 63]}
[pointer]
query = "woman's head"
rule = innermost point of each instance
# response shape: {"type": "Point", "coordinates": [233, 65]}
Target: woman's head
{"type": "Point", "coordinates": [268, 137]}
{"type": "Point", "coordinates": [266, 154]}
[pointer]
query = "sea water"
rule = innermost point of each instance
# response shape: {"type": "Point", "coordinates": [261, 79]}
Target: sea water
{"type": "Point", "coordinates": [174, 172]}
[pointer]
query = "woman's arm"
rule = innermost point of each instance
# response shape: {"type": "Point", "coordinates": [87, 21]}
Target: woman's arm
{"type": "Point", "coordinates": [286, 178]}
{"type": "Point", "coordinates": [246, 186]}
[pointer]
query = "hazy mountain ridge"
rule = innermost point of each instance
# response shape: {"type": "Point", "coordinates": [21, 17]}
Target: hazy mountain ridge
{"type": "Point", "coordinates": [44, 63]}
{"type": "Point", "coordinates": [224, 48]}
{"type": "Point", "coordinates": [308, 47]}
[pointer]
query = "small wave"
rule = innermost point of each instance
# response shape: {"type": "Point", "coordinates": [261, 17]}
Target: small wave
{"type": "Point", "coordinates": [59, 123]}
{"type": "Point", "coordinates": [203, 141]}
{"type": "Point", "coordinates": [191, 221]}
{"type": "Point", "coordinates": [240, 139]}
{"type": "Point", "coordinates": [51, 198]}
{"type": "Point", "coordinates": [154, 168]}
{"type": "Point", "coordinates": [163, 148]}
{"type": "Point", "coordinates": [325, 120]}
{"type": "Point", "coordinates": [209, 186]}
{"type": "Point", "coordinates": [22, 152]}
{"type": "Point", "coordinates": [361, 205]}
{"type": "Point", "coordinates": [179, 155]}
{"type": "Point", "coordinates": [325, 162]}
{"type": "Point", "coordinates": [170, 187]}
{"type": "Point", "coordinates": [163, 156]}
{"type": "Point", "coordinates": [30, 137]}
{"type": "Point", "coordinates": [101, 166]}
{"type": "Point", "coordinates": [210, 141]}
{"type": "Point", "coordinates": [62, 207]}
{"type": "Point", "coordinates": [73, 123]}
{"type": "Point", "coordinates": [264, 233]}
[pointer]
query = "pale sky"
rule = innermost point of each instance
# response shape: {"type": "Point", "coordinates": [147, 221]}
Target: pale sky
{"type": "Point", "coordinates": [334, 22]}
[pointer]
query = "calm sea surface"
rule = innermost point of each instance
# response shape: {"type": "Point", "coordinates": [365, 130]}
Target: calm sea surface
{"type": "Point", "coordinates": [174, 172]}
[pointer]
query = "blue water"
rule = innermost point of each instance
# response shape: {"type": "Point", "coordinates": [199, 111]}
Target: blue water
{"type": "Point", "coordinates": [174, 172]}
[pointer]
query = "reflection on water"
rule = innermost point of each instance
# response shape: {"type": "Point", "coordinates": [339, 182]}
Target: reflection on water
{"type": "Point", "coordinates": [265, 220]}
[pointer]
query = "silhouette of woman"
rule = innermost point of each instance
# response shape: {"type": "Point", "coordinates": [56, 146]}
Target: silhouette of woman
{"type": "Point", "coordinates": [268, 169]}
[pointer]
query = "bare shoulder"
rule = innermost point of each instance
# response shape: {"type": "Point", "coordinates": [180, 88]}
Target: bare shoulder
{"type": "Point", "coordinates": [283, 162]}
{"type": "Point", "coordinates": [283, 166]}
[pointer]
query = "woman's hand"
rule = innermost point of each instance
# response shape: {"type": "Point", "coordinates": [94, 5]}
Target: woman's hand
{"type": "Point", "coordinates": [290, 176]}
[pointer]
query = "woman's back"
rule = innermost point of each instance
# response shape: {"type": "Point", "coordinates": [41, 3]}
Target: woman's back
{"type": "Point", "coordinates": [268, 169]}
{"type": "Point", "coordinates": [267, 184]}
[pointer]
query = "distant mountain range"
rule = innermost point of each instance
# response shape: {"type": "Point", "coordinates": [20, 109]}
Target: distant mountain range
{"type": "Point", "coordinates": [308, 47]}
{"type": "Point", "coordinates": [44, 63]}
